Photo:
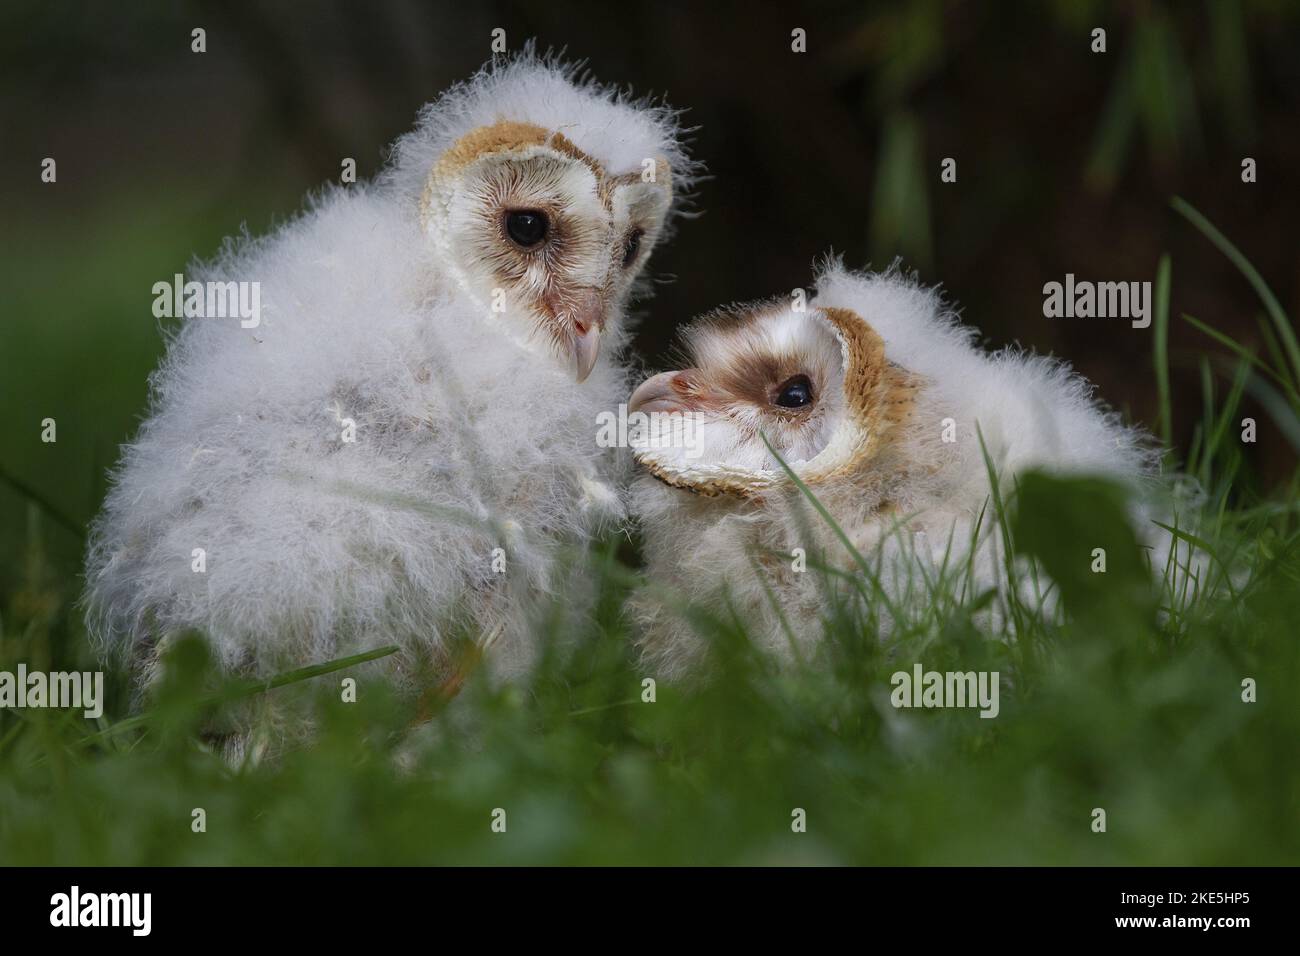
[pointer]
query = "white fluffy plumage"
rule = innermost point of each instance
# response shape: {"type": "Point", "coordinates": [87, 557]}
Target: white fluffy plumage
{"type": "Point", "coordinates": [400, 306]}
{"type": "Point", "coordinates": [892, 372]}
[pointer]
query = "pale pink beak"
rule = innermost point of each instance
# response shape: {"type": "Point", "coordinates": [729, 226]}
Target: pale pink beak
{"type": "Point", "coordinates": [587, 314]}
{"type": "Point", "coordinates": [665, 392]}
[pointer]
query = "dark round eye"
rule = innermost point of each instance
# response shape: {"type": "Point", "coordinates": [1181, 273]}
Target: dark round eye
{"type": "Point", "coordinates": [795, 393]}
{"type": "Point", "coordinates": [632, 247]}
{"type": "Point", "coordinates": [527, 226]}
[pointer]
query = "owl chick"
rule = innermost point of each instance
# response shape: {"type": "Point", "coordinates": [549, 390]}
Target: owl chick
{"type": "Point", "coordinates": [401, 449]}
{"type": "Point", "coordinates": [872, 395]}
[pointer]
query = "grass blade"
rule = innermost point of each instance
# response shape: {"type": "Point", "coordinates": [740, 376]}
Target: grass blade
{"type": "Point", "coordinates": [1280, 321]}
{"type": "Point", "coordinates": [31, 494]}
{"type": "Point", "coordinates": [240, 689]}
{"type": "Point", "coordinates": [1161, 351]}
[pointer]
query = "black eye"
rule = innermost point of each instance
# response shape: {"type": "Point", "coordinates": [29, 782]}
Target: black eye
{"type": "Point", "coordinates": [527, 227]}
{"type": "Point", "coordinates": [632, 247]}
{"type": "Point", "coordinates": [795, 393]}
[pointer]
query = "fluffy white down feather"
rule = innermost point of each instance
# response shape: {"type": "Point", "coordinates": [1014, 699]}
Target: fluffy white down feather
{"type": "Point", "coordinates": [465, 440]}
{"type": "Point", "coordinates": [1034, 412]}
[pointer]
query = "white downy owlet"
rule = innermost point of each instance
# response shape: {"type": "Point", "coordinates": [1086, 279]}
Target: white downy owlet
{"type": "Point", "coordinates": [404, 446]}
{"type": "Point", "coordinates": [871, 395]}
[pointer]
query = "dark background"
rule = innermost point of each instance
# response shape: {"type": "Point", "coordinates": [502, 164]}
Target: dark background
{"type": "Point", "coordinates": [1066, 163]}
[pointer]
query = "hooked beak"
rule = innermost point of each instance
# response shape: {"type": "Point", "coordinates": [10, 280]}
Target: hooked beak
{"type": "Point", "coordinates": [665, 392]}
{"type": "Point", "coordinates": [588, 317]}
{"type": "Point", "coordinates": [586, 349]}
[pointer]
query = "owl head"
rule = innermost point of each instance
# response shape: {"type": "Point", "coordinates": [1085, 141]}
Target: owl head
{"type": "Point", "coordinates": [873, 375]}
{"type": "Point", "coordinates": [808, 383]}
{"type": "Point", "coordinates": [543, 194]}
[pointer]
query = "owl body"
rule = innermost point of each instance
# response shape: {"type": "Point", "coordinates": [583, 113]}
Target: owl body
{"type": "Point", "coordinates": [399, 451]}
{"type": "Point", "coordinates": [888, 441]}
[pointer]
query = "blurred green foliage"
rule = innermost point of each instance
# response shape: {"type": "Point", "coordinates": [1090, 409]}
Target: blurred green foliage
{"type": "Point", "coordinates": [1146, 722]}
{"type": "Point", "coordinates": [1153, 96]}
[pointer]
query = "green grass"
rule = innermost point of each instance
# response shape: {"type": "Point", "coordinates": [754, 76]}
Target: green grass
{"type": "Point", "coordinates": [1127, 697]}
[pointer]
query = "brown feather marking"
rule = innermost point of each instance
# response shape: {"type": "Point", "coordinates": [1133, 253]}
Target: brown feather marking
{"type": "Point", "coordinates": [708, 487]}
{"type": "Point", "coordinates": [502, 136]}
{"type": "Point", "coordinates": [879, 393]}
{"type": "Point", "coordinates": [509, 135]}
{"type": "Point", "coordinates": [663, 179]}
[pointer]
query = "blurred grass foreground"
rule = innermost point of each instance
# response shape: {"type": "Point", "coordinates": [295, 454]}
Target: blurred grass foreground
{"type": "Point", "coordinates": [1169, 705]}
